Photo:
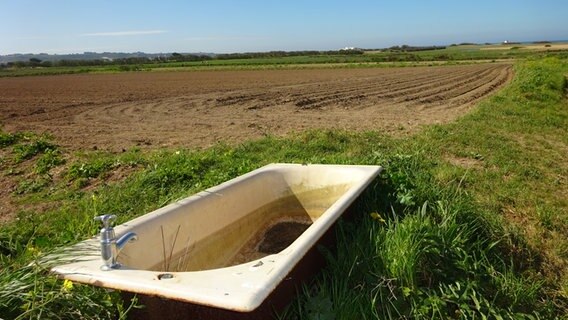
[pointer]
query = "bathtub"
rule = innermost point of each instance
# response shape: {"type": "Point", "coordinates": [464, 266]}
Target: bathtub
{"type": "Point", "coordinates": [231, 245]}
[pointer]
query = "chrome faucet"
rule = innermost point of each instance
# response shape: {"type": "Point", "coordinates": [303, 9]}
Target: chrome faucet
{"type": "Point", "coordinates": [110, 246]}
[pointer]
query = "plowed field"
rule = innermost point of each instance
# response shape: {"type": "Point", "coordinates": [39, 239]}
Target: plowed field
{"type": "Point", "coordinates": [197, 109]}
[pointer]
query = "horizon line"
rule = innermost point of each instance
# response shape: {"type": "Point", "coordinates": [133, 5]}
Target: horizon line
{"type": "Point", "coordinates": [232, 52]}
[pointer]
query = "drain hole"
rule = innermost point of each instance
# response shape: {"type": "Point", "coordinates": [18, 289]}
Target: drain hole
{"type": "Point", "coordinates": [281, 235]}
{"type": "Point", "coordinates": [165, 276]}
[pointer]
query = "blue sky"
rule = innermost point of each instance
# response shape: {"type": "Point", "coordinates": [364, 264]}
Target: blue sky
{"type": "Point", "coordinates": [75, 26]}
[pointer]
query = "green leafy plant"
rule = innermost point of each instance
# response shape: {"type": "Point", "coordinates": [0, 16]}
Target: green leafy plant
{"type": "Point", "coordinates": [32, 147]}
{"type": "Point", "coordinates": [8, 139]}
{"type": "Point", "coordinates": [49, 159]}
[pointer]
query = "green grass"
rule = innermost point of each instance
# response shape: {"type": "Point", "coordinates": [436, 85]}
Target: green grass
{"type": "Point", "coordinates": [450, 55]}
{"type": "Point", "coordinates": [297, 62]}
{"type": "Point", "coordinates": [469, 219]}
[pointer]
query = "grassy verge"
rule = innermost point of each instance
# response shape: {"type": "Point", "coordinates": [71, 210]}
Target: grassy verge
{"type": "Point", "coordinates": [468, 220]}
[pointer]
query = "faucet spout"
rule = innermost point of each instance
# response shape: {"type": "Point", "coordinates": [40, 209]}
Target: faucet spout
{"type": "Point", "coordinates": [126, 238]}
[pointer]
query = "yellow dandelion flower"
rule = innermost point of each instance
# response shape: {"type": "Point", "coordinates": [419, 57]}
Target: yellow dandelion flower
{"type": "Point", "coordinates": [32, 250]}
{"type": "Point", "coordinates": [67, 286]}
{"type": "Point", "coordinates": [377, 216]}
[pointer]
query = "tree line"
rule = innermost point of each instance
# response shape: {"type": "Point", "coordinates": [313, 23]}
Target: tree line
{"type": "Point", "coordinates": [174, 57]}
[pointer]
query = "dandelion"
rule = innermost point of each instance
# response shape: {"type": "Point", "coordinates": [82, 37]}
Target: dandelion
{"type": "Point", "coordinates": [33, 250]}
{"type": "Point", "coordinates": [67, 286]}
{"type": "Point", "coordinates": [377, 216]}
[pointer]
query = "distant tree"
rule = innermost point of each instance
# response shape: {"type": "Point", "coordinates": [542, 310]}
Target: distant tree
{"type": "Point", "coordinates": [177, 56]}
{"type": "Point", "coordinates": [34, 62]}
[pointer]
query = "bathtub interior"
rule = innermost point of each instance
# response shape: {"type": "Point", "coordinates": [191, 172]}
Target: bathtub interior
{"type": "Point", "coordinates": [259, 214]}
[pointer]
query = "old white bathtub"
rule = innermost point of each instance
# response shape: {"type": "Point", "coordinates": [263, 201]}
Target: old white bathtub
{"type": "Point", "coordinates": [229, 246]}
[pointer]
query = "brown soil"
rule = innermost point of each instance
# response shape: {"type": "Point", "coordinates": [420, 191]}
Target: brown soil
{"type": "Point", "coordinates": [281, 235]}
{"type": "Point", "coordinates": [272, 238]}
{"type": "Point", "coordinates": [198, 109]}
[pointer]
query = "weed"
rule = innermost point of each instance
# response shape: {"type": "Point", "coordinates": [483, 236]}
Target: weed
{"type": "Point", "coordinates": [48, 160]}
{"type": "Point", "coordinates": [98, 165]}
{"type": "Point", "coordinates": [32, 147]}
{"type": "Point", "coordinates": [31, 186]}
{"type": "Point", "coordinates": [88, 170]}
{"type": "Point", "coordinates": [8, 139]}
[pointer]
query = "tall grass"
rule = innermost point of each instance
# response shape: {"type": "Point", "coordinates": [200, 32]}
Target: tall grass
{"type": "Point", "coordinates": [467, 221]}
